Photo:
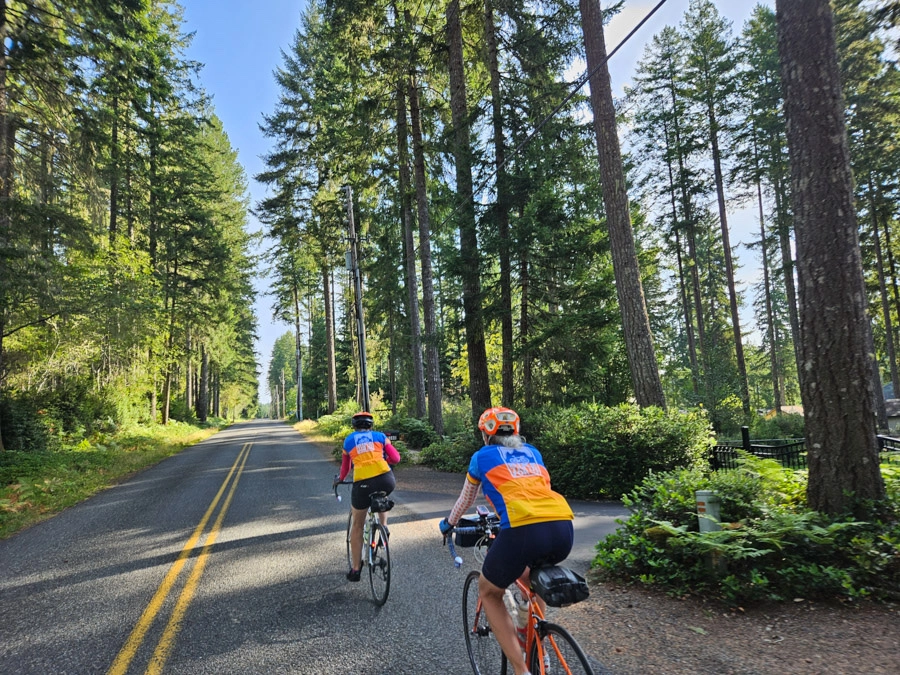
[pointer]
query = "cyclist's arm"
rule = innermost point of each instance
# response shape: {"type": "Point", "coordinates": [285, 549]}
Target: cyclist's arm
{"type": "Point", "coordinates": [345, 466]}
{"type": "Point", "coordinates": [465, 500]}
{"type": "Point", "coordinates": [391, 454]}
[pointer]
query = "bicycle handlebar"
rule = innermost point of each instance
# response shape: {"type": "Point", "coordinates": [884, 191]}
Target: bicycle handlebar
{"type": "Point", "coordinates": [335, 484]}
{"type": "Point", "coordinates": [448, 540]}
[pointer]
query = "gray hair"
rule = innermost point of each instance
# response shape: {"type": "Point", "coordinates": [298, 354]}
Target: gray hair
{"type": "Point", "coordinates": [510, 441]}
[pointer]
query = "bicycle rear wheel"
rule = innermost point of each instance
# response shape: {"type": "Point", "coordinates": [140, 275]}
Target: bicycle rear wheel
{"type": "Point", "coordinates": [484, 650]}
{"type": "Point", "coordinates": [349, 524]}
{"type": "Point", "coordinates": [379, 564]}
{"type": "Point", "coordinates": [562, 655]}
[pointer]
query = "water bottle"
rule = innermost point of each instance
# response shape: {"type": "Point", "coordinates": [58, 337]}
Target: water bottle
{"type": "Point", "coordinates": [521, 616]}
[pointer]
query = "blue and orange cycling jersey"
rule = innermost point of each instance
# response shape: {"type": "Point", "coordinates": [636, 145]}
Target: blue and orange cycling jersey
{"type": "Point", "coordinates": [366, 451]}
{"type": "Point", "coordinates": [517, 485]}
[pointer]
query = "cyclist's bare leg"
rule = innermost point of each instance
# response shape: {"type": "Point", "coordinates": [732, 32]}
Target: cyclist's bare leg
{"type": "Point", "coordinates": [356, 536]}
{"type": "Point", "coordinates": [502, 624]}
{"type": "Point", "coordinates": [383, 518]}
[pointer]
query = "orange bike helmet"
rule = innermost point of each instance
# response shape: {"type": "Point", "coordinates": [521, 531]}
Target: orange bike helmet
{"type": "Point", "coordinates": [501, 421]}
{"type": "Point", "coordinates": [362, 420]}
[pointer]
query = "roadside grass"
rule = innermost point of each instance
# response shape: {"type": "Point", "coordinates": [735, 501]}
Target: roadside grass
{"type": "Point", "coordinates": [313, 431]}
{"type": "Point", "coordinates": [36, 485]}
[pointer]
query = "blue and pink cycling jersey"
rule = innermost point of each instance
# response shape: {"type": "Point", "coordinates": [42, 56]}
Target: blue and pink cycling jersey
{"type": "Point", "coordinates": [517, 485]}
{"type": "Point", "coordinates": [369, 453]}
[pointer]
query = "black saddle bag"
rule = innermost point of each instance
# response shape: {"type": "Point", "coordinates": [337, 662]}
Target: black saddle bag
{"type": "Point", "coordinates": [381, 503]}
{"type": "Point", "coordinates": [559, 586]}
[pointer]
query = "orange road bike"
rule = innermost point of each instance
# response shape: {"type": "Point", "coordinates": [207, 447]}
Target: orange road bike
{"type": "Point", "coordinates": [549, 648]}
{"type": "Point", "coordinates": [376, 553]}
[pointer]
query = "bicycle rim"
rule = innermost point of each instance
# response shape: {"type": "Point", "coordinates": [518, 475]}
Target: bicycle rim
{"type": "Point", "coordinates": [562, 655]}
{"type": "Point", "coordinates": [484, 650]}
{"type": "Point", "coordinates": [349, 557]}
{"type": "Point", "coordinates": [379, 564]}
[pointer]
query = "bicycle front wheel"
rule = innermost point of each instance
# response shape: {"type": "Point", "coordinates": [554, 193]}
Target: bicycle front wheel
{"type": "Point", "coordinates": [561, 653]}
{"type": "Point", "coordinates": [379, 564]}
{"type": "Point", "coordinates": [484, 650]}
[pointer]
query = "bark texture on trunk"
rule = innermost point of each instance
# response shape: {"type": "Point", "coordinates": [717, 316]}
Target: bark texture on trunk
{"type": "Point", "coordinates": [501, 210]}
{"type": "Point", "coordinates": [635, 321]}
{"type": "Point", "coordinates": [432, 343]}
{"type": "Point", "coordinates": [479, 385]}
{"type": "Point", "coordinates": [836, 365]}
{"type": "Point", "coordinates": [412, 282]}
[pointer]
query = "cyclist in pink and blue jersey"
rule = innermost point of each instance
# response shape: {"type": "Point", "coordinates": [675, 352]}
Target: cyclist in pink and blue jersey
{"type": "Point", "coordinates": [535, 521]}
{"type": "Point", "coordinates": [370, 455]}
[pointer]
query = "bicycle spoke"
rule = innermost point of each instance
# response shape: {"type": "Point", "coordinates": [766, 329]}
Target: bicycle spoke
{"type": "Point", "coordinates": [484, 651]}
{"type": "Point", "coordinates": [561, 654]}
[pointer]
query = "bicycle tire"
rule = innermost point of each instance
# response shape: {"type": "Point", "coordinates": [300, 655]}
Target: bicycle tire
{"type": "Point", "coordinates": [379, 556]}
{"type": "Point", "coordinates": [349, 556]}
{"type": "Point", "coordinates": [563, 655]}
{"type": "Point", "coordinates": [483, 649]}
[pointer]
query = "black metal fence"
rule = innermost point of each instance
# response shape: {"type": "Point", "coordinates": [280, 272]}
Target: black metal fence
{"type": "Point", "coordinates": [790, 452]}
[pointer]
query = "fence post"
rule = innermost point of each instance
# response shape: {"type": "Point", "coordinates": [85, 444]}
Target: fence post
{"type": "Point", "coordinates": [745, 438]}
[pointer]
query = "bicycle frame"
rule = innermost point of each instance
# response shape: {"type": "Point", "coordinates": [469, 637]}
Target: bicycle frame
{"type": "Point", "coordinates": [545, 642]}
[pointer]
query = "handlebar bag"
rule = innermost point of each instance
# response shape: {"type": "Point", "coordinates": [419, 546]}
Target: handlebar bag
{"type": "Point", "coordinates": [559, 586]}
{"type": "Point", "coordinates": [470, 539]}
{"type": "Point", "coordinates": [467, 539]}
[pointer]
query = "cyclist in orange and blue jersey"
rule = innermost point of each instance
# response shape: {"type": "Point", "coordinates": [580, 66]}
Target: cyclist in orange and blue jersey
{"type": "Point", "coordinates": [370, 455]}
{"type": "Point", "coordinates": [535, 521]}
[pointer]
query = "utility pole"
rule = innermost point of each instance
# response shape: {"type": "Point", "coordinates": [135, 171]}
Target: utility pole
{"type": "Point", "coordinates": [357, 284]}
{"type": "Point", "coordinates": [297, 346]}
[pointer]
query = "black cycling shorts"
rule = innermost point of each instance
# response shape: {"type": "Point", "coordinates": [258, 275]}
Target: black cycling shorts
{"type": "Point", "coordinates": [359, 493]}
{"type": "Point", "coordinates": [516, 548]}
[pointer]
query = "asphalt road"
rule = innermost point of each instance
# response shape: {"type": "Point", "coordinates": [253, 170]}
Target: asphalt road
{"type": "Point", "coordinates": [230, 558]}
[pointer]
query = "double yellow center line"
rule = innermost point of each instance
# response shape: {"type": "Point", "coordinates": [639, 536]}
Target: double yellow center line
{"type": "Point", "coordinates": [164, 646]}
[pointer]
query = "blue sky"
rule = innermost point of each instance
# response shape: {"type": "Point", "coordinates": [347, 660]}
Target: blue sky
{"type": "Point", "coordinates": [240, 44]}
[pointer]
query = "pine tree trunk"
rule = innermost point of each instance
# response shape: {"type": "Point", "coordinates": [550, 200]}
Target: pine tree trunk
{"type": "Point", "coordinates": [682, 282]}
{"type": "Point", "coordinates": [770, 315]}
{"type": "Point", "coordinates": [114, 174]}
{"type": "Point", "coordinates": [783, 222]}
{"type": "Point", "coordinates": [885, 302]}
{"type": "Point", "coordinates": [729, 264]}
{"type": "Point", "coordinates": [188, 371]}
{"type": "Point", "coordinates": [501, 211]}
{"type": "Point", "coordinates": [479, 384]}
{"type": "Point", "coordinates": [412, 283]}
{"type": "Point", "coordinates": [203, 397]}
{"type": "Point", "coordinates": [895, 291]}
{"type": "Point", "coordinates": [525, 329]}
{"type": "Point", "coordinates": [629, 289]}
{"type": "Point", "coordinates": [432, 343]}
{"type": "Point", "coordinates": [690, 226]}
{"type": "Point", "coordinates": [5, 186]}
{"type": "Point", "coordinates": [836, 369]}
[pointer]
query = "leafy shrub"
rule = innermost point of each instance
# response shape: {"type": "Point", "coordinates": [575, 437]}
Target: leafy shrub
{"type": "Point", "coordinates": [778, 426]}
{"type": "Point", "coordinates": [416, 433]}
{"type": "Point", "coordinates": [593, 451]}
{"type": "Point", "coordinates": [336, 425]}
{"type": "Point", "coordinates": [770, 546]}
{"type": "Point", "coordinates": [451, 454]}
